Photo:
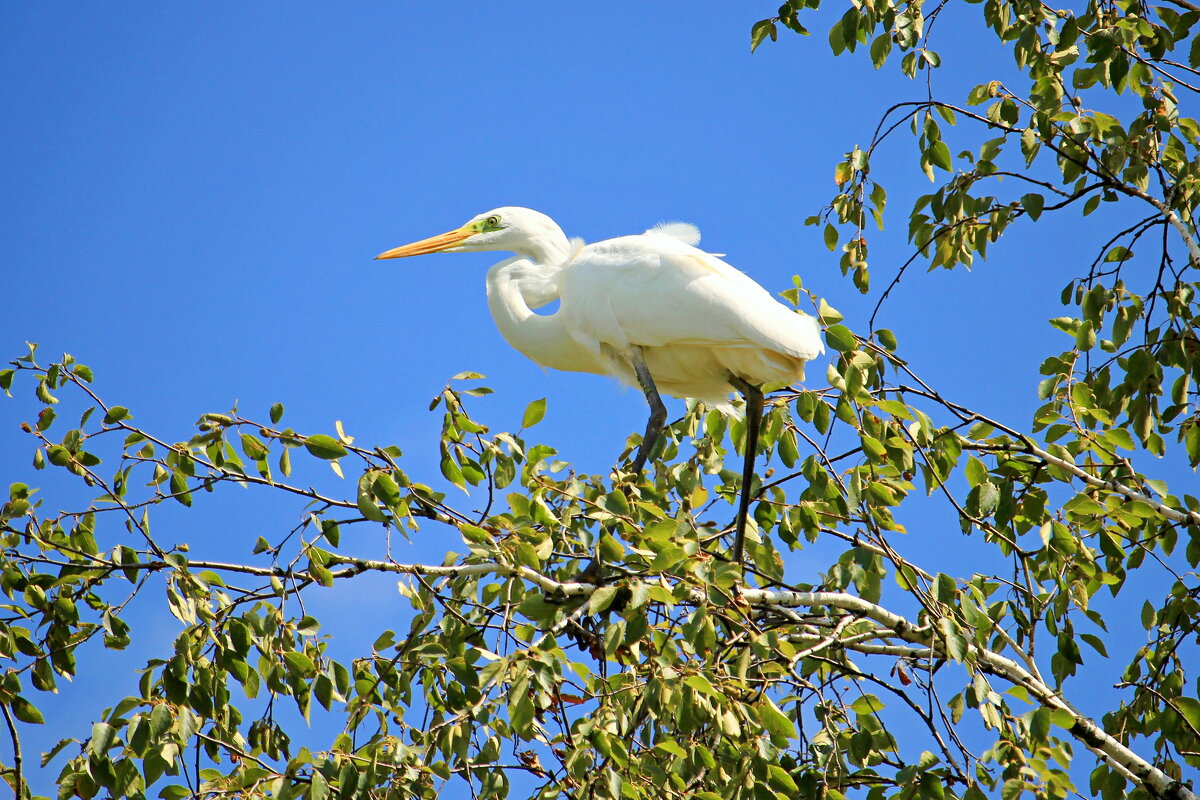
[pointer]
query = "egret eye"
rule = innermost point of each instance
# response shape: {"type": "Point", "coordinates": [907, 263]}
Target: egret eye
{"type": "Point", "coordinates": [492, 221]}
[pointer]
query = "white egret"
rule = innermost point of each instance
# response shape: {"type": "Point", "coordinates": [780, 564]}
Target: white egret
{"type": "Point", "coordinates": [652, 310]}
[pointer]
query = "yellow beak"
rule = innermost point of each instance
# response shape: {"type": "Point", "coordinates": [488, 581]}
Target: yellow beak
{"type": "Point", "coordinates": [434, 244]}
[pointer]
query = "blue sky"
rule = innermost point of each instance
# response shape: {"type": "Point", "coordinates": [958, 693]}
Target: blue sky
{"type": "Point", "coordinates": [192, 199]}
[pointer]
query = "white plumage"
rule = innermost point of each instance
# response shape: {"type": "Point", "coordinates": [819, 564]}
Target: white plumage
{"type": "Point", "coordinates": [697, 319]}
{"type": "Point", "coordinates": [685, 232]}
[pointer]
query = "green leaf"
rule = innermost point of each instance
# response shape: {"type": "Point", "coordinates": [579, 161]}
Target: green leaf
{"type": "Point", "coordinates": [867, 704]}
{"type": "Point", "coordinates": [1085, 337]}
{"type": "Point", "coordinates": [254, 449]}
{"type": "Point", "coordinates": [534, 413]}
{"type": "Point", "coordinates": [300, 663]}
{"type": "Point", "coordinates": [778, 777]}
{"type": "Point", "coordinates": [386, 489]}
{"type": "Point", "coordinates": [473, 534]}
{"type": "Point", "coordinates": [46, 418]}
{"type": "Point", "coordinates": [325, 447]}
{"type": "Point", "coordinates": [701, 684]}
{"type": "Point", "coordinates": [1095, 642]}
{"type": "Point", "coordinates": [760, 31]}
{"type": "Point", "coordinates": [894, 407]}
{"type": "Point", "coordinates": [103, 735]}
{"type": "Point", "coordinates": [873, 448]}
{"type": "Point", "coordinates": [881, 47]}
{"type": "Point", "coordinates": [319, 787]}
{"type": "Point", "coordinates": [956, 643]}
{"type": "Point", "coordinates": [1189, 708]}
{"type": "Point", "coordinates": [179, 488]}
{"type": "Point", "coordinates": [774, 720]}
{"type": "Point", "coordinates": [601, 598]}
{"type": "Point", "coordinates": [26, 712]}
{"type": "Point", "coordinates": [989, 498]}
{"type": "Point", "coordinates": [451, 471]}
{"type": "Point", "coordinates": [1039, 724]}
{"type": "Point", "coordinates": [276, 413]}
{"type": "Point", "coordinates": [947, 589]}
{"type": "Point", "coordinates": [49, 755]}
{"type": "Point", "coordinates": [116, 414]}
{"type": "Point", "coordinates": [837, 41]}
{"type": "Point", "coordinates": [842, 173]}
{"type": "Point", "coordinates": [616, 502]}
{"type": "Point", "coordinates": [939, 155]}
{"type": "Point", "coordinates": [610, 549]}
{"type": "Point", "coordinates": [840, 338]}
{"type": "Point", "coordinates": [671, 747]}
{"type": "Point", "coordinates": [365, 500]}
{"type": "Point", "coordinates": [43, 393]}
{"type": "Point", "coordinates": [1033, 203]}
{"type": "Point", "coordinates": [161, 719]}
{"type": "Point", "coordinates": [977, 472]}
{"type": "Point", "coordinates": [932, 786]}
{"type": "Point", "coordinates": [789, 450]}
{"type": "Point", "coordinates": [827, 314]}
{"type": "Point", "coordinates": [1120, 437]}
{"type": "Point", "coordinates": [1068, 33]}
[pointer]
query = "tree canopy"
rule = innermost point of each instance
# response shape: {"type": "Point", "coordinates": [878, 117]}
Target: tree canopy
{"type": "Point", "coordinates": [671, 671]}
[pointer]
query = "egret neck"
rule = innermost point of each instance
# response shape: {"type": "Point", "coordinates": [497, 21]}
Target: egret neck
{"type": "Point", "coordinates": [518, 285]}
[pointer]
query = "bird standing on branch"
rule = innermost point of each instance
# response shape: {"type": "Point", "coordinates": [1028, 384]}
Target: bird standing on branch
{"type": "Point", "coordinates": [652, 310]}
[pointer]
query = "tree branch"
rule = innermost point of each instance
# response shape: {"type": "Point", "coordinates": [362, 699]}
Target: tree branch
{"type": "Point", "coordinates": [1157, 782]}
{"type": "Point", "coordinates": [1173, 514]}
{"type": "Point", "coordinates": [18, 773]}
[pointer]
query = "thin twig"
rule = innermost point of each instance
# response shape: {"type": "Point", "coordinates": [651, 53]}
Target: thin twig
{"type": "Point", "coordinates": [18, 772]}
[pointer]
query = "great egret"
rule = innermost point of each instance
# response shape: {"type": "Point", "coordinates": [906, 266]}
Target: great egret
{"type": "Point", "coordinates": [652, 310]}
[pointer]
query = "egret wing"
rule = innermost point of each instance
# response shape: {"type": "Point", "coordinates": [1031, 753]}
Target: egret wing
{"type": "Point", "coordinates": [657, 291]}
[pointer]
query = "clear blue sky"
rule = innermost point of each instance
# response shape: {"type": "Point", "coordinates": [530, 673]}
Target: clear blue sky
{"type": "Point", "coordinates": [192, 197]}
{"type": "Point", "coordinates": [192, 200]}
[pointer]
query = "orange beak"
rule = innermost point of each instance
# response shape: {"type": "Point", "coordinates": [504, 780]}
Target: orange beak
{"type": "Point", "coordinates": [434, 244]}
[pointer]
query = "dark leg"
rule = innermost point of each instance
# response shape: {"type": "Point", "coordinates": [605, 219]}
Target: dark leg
{"type": "Point", "coordinates": [658, 412]}
{"type": "Point", "coordinates": [754, 414]}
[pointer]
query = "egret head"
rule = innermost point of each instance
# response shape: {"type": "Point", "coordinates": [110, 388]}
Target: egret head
{"type": "Point", "coordinates": [511, 228]}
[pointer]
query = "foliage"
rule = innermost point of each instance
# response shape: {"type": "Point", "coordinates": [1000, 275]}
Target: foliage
{"type": "Point", "coordinates": [670, 671]}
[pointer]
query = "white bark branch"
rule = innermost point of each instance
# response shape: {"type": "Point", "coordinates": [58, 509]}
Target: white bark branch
{"type": "Point", "coordinates": [1175, 222]}
{"type": "Point", "coordinates": [1173, 514]}
{"type": "Point", "coordinates": [1157, 782]}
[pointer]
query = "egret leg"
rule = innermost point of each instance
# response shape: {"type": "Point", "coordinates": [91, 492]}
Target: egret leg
{"type": "Point", "coordinates": [658, 411]}
{"type": "Point", "coordinates": [754, 414]}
